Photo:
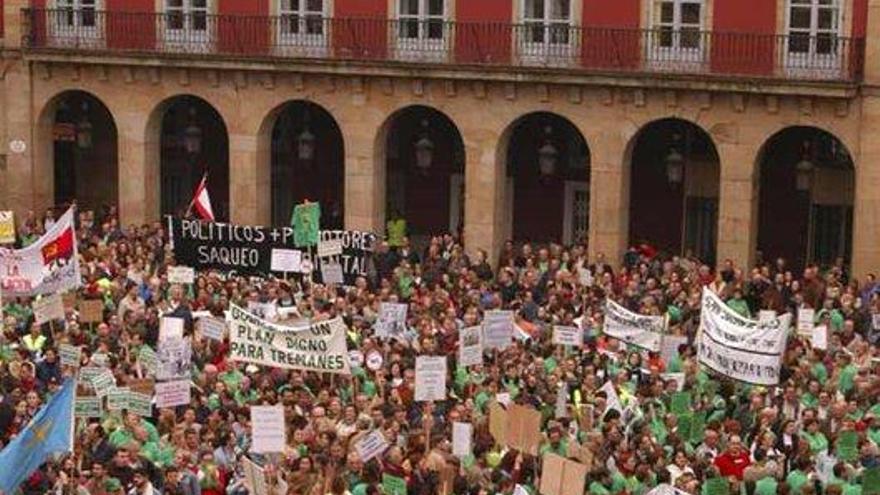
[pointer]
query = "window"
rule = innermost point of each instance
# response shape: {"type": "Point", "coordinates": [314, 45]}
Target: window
{"type": "Point", "coordinates": [422, 29]}
{"type": "Point", "coordinates": [547, 31]}
{"type": "Point", "coordinates": [813, 31]}
{"type": "Point", "coordinates": [187, 23]}
{"type": "Point", "coordinates": [676, 33]}
{"type": "Point", "coordinates": [75, 21]}
{"type": "Point", "coordinates": [302, 17]}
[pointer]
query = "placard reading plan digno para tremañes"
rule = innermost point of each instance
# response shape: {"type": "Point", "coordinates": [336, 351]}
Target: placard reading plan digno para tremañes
{"type": "Point", "coordinates": [319, 346]}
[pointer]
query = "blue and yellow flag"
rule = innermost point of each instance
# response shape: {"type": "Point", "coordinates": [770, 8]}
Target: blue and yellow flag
{"type": "Point", "coordinates": [50, 432]}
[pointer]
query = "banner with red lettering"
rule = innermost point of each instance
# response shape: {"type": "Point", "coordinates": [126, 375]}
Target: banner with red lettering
{"type": "Point", "coordinates": [47, 266]}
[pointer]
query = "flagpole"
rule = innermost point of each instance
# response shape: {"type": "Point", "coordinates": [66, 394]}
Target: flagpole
{"type": "Point", "coordinates": [202, 183]}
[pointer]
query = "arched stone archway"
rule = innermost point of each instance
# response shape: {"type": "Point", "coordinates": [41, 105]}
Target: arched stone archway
{"type": "Point", "coordinates": [806, 181]}
{"type": "Point", "coordinates": [674, 189]}
{"type": "Point", "coordinates": [307, 155]}
{"type": "Point", "coordinates": [547, 179]}
{"type": "Point", "coordinates": [79, 136]}
{"type": "Point", "coordinates": [424, 176]}
{"type": "Point", "coordinates": [193, 141]}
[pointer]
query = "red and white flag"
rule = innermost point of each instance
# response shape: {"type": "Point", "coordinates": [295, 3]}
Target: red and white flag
{"type": "Point", "coordinates": [202, 201]}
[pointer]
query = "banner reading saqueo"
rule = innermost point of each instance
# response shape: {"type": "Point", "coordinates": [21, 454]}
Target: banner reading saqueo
{"type": "Point", "coordinates": [256, 250]}
{"type": "Point", "coordinates": [633, 328]}
{"type": "Point", "coordinates": [747, 350]}
{"type": "Point", "coordinates": [47, 266]}
{"type": "Point", "coordinates": [319, 346]}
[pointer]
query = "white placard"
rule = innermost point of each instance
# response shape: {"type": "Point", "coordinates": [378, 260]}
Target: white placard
{"type": "Point", "coordinates": [678, 377]}
{"type": "Point", "coordinates": [174, 393]}
{"type": "Point", "coordinates": [329, 247]}
{"type": "Point", "coordinates": [820, 337]}
{"type": "Point", "coordinates": [875, 320]}
{"type": "Point", "coordinates": [48, 308]}
{"type": "Point", "coordinates": [170, 328]}
{"type": "Point", "coordinates": [392, 320]}
{"type": "Point", "coordinates": [70, 354]}
{"type": "Point", "coordinates": [669, 346]}
{"type": "Point", "coordinates": [286, 260]}
{"type": "Point", "coordinates": [175, 359]}
{"type": "Point", "coordinates": [561, 406]}
{"type": "Point", "coordinates": [643, 331]}
{"type": "Point", "coordinates": [805, 319]}
{"type": "Point", "coordinates": [766, 315]}
{"type": "Point", "coordinates": [331, 273]}
{"type": "Point", "coordinates": [462, 433]}
{"type": "Point", "coordinates": [497, 329]}
{"type": "Point", "coordinates": [572, 336]}
{"type": "Point", "coordinates": [503, 398]}
{"type": "Point", "coordinates": [371, 445]}
{"type": "Point", "coordinates": [268, 429]}
{"type": "Point", "coordinates": [430, 378]}
{"type": "Point", "coordinates": [181, 275]}
{"type": "Point", "coordinates": [355, 358]}
{"type": "Point", "coordinates": [103, 382]}
{"type": "Point", "coordinates": [212, 328]}
{"type": "Point", "coordinates": [470, 346]}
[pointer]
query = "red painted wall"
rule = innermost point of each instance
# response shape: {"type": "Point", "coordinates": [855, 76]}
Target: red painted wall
{"type": "Point", "coordinates": [610, 33]}
{"type": "Point", "coordinates": [242, 26]}
{"type": "Point", "coordinates": [360, 28]}
{"type": "Point", "coordinates": [859, 27]}
{"type": "Point", "coordinates": [735, 52]}
{"type": "Point", "coordinates": [131, 24]}
{"type": "Point", "coordinates": [483, 32]}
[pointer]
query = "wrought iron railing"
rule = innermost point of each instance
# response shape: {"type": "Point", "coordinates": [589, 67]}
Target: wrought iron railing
{"type": "Point", "coordinates": [550, 45]}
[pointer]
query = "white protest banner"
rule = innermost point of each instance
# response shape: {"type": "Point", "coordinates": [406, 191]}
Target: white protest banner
{"type": "Point", "coordinates": [371, 445]}
{"type": "Point", "coordinates": [170, 328]}
{"type": "Point", "coordinates": [173, 393]}
{"type": "Point", "coordinates": [285, 260]}
{"type": "Point", "coordinates": [462, 433]}
{"type": "Point", "coordinates": [430, 378]}
{"type": "Point", "coordinates": [269, 434]}
{"type": "Point", "coordinates": [805, 319]}
{"type": "Point", "coordinates": [819, 338]}
{"type": "Point", "coordinates": [331, 273]}
{"type": "Point", "coordinates": [392, 320]}
{"type": "Point", "coordinates": [47, 266]}
{"type": "Point", "coordinates": [572, 336]}
{"type": "Point", "coordinates": [212, 328]}
{"type": "Point", "coordinates": [7, 227]}
{"type": "Point", "coordinates": [633, 328]}
{"type": "Point", "coordinates": [612, 400]}
{"type": "Point", "coordinates": [669, 346]}
{"type": "Point", "coordinates": [497, 329]}
{"type": "Point", "coordinates": [175, 359]}
{"type": "Point", "coordinates": [87, 407]}
{"type": "Point", "coordinates": [470, 346]}
{"type": "Point", "coordinates": [181, 275]}
{"type": "Point", "coordinates": [329, 247]}
{"type": "Point", "coordinates": [319, 346]}
{"type": "Point", "coordinates": [766, 315]}
{"type": "Point", "coordinates": [740, 348]}
{"type": "Point", "coordinates": [48, 308]}
{"type": "Point", "coordinates": [70, 354]}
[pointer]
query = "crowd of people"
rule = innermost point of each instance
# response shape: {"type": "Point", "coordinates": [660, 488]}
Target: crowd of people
{"type": "Point", "coordinates": [761, 440]}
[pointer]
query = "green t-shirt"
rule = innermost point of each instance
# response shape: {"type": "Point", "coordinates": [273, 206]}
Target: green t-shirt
{"type": "Point", "coordinates": [765, 486]}
{"type": "Point", "coordinates": [795, 480]}
{"type": "Point", "coordinates": [232, 379]}
{"type": "Point", "coordinates": [597, 488]}
{"type": "Point", "coordinates": [818, 442]}
{"type": "Point", "coordinates": [847, 375]}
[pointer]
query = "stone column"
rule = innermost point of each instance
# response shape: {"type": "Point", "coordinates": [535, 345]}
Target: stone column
{"type": "Point", "coordinates": [249, 190]}
{"type": "Point", "coordinates": [738, 201]}
{"type": "Point", "coordinates": [364, 181]}
{"type": "Point", "coordinates": [485, 182]}
{"type": "Point", "coordinates": [609, 195]}
{"type": "Point", "coordinates": [138, 162]}
{"type": "Point", "coordinates": [866, 214]}
{"type": "Point", "coordinates": [20, 183]}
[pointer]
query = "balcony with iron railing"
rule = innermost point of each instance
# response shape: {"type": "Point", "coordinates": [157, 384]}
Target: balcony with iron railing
{"type": "Point", "coordinates": [551, 45]}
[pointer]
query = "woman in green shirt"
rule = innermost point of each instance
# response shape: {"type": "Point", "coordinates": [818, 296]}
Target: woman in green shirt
{"type": "Point", "coordinates": [815, 438]}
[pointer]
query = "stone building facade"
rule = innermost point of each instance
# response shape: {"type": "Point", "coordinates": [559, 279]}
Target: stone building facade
{"type": "Point", "coordinates": [659, 121]}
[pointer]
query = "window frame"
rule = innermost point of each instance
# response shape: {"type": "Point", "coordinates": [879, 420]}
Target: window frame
{"type": "Point", "coordinates": [75, 28]}
{"type": "Point", "coordinates": [422, 46]}
{"type": "Point", "coordinates": [303, 17]}
{"type": "Point", "coordinates": [547, 51]}
{"type": "Point", "coordinates": [813, 59]}
{"type": "Point", "coordinates": [659, 52]}
{"type": "Point", "coordinates": [187, 37]}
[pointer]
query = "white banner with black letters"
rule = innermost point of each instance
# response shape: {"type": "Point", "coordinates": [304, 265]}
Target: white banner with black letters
{"type": "Point", "coordinates": [740, 348]}
{"type": "Point", "coordinates": [633, 328]}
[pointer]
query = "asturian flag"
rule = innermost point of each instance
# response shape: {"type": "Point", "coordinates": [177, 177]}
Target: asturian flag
{"type": "Point", "coordinates": [202, 201]}
{"type": "Point", "coordinates": [50, 432]}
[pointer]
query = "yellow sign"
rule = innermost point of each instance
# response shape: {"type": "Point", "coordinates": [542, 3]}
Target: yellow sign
{"type": "Point", "coordinates": [7, 227]}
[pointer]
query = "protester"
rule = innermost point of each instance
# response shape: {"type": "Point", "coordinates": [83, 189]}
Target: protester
{"type": "Point", "coordinates": [601, 403]}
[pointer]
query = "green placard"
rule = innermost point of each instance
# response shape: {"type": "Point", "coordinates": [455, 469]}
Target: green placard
{"type": "Point", "coordinates": [117, 399]}
{"type": "Point", "coordinates": [149, 360]}
{"type": "Point", "coordinates": [685, 426]}
{"type": "Point", "coordinates": [680, 403]}
{"type": "Point", "coordinates": [848, 446]}
{"type": "Point", "coordinates": [392, 485]}
{"type": "Point", "coordinates": [871, 481]}
{"type": "Point", "coordinates": [140, 404]}
{"type": "Point", "coordinates": [87, 407]}
{"type": "Point", "coordinates": [698, 428]}
{"type": "Point", "coordinates": [717, 486]}
{"type": "Point", "coordinates": [306, 222]}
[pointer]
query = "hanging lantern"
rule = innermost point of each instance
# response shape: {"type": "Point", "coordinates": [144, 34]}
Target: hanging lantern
{"type": "Point", "coordinates": [547, 155]}
{"type": "Point", "coordinates": [192, 135]}
{"type": "Point", "coordinates": [674, 167]}
{"type": "Point", "coordinates": [305, 145]}
{"type": "Point", "coordinates": [803, 178]}
{"type": "Point", "coordinates": [424, 149]}
{"type": "Point", "coordinates": [84, 129]}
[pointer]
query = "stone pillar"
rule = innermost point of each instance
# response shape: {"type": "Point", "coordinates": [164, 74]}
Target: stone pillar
{"type": "Point", "coordinates": [609, 195]}
{"type": "Point", "coordinates": [866, 214]}
{"type": "Point", "coordinates": [13, 27]}
{"type": "Point", "coordinates": [138, 163]}
{"type": "Point", "coordinates": [364, 181]}
{"type": "Point", "coordinates": [20, 183]}
{"type": "Point", "coordinates": [485, 212]}
{"type": "Point", "coordinates": [737, 204]}
{"type": "Point", "coordinates": [249, 193]}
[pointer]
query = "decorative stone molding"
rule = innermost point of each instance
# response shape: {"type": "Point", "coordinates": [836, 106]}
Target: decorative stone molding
{"type": "Point", "coordinates": [183, 77]}
{"type": "Point", "coordinates": [479, 89]}
{"type": "Point", "coordinates": [575, 95]}
{"type": "Point", "coordinates": [450, 88]}
{"type": "Point", "coordinates": [772, 103]}
{"type": "Point", "coordinates": [806, 105]}
{"type": "Point", "coordinates": [543, 93]}
{"type": "Point", "coordinates": [510, 91]}
{"type": "Point", "coordinates": [213, 78]}
{"type": "Point", "coordinates": [418, 87]}
{"type": "Point", "coordinates": [738, 102]}
{"type": "Point", "coordinates": [639, 98]}
{"type": "Point", "coordinates": [298, 81]}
